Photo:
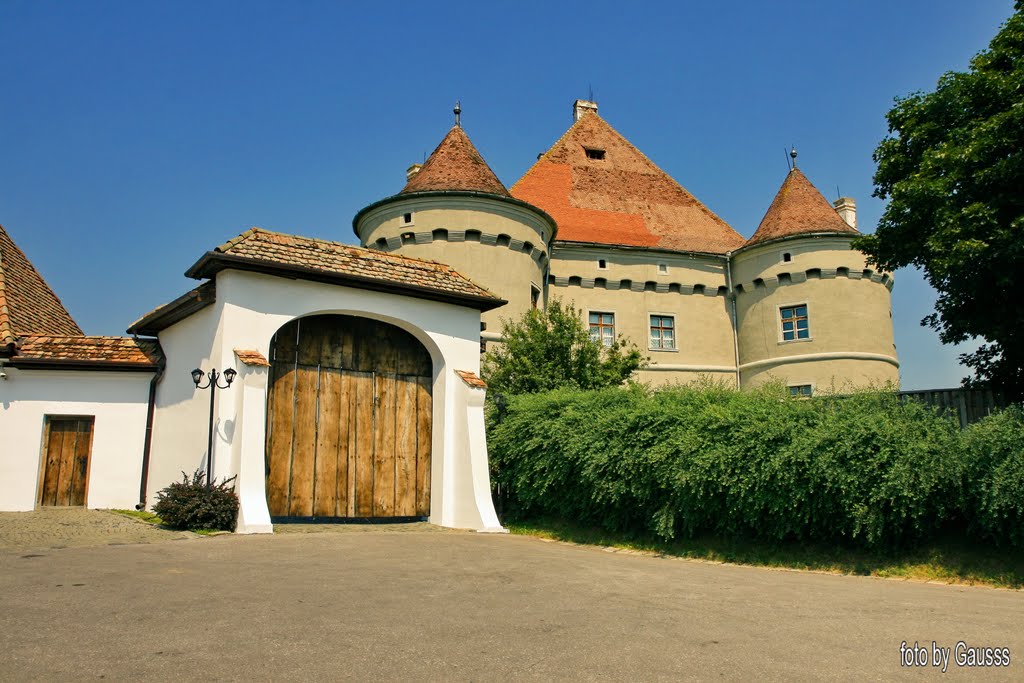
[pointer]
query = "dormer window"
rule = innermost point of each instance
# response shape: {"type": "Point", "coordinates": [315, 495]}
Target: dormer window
{"type": "Point", "coordinates": [593, 153]}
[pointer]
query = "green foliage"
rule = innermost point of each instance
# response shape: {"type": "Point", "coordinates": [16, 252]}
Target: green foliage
{"type": "Point", "coordinates": [994, 449]}
{"type": "Point", "coordinates": [191, 504]}
{"type": "Point", "coordinates": [952, 169]}
{"type": "Point", "coordinates": [552, 348]}
{"type": "Point", "coordinates": [865, 470]}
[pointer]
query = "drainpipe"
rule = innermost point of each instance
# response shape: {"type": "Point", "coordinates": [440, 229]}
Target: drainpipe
{"type": "Point", "coordinates": [733, 315]}
{"type": "Point", "coordinates": [147, 446]}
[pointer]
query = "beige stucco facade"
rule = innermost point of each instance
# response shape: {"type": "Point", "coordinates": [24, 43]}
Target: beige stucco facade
{"type": "Point", "coordinates": [501, 244]}
{"type": "Point", "coordinates": [850, 341]}
{"type": "Point", "coordinates": [725, 309]}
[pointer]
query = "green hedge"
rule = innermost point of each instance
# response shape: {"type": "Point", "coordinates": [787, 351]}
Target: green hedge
{"type": "Point", "coordinates": [865, 469]}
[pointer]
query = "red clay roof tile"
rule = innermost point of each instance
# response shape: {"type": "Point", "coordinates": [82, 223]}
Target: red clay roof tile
{"type": "Point", "coordinates": [797, 209]}
{"type": "Point", "coordinates": [620, 199]}
{"type": "Point", "coordinates": [250, 357]}
{"type": "Point", "coordinates": [27, 304]}
{"type": "Point", "coordinates": [72, 349]}
{"type": "Point", "coordinates": [471, 379]}
{"type": "Point", "coordinates": [263, 250]}
{"type": "Point", "coordinates": [455, 165]}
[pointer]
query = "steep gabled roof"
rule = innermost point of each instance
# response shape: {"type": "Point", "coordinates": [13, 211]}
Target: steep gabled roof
{"type": "Point", "coordinates": [617, 196]}
{"type": "Point", "coordinates": [275, 253]}
{"type": "Point", "coordinates": [455, 165]}
{"type": "Point", "coordinates": [27, 304]}
{"type": "Point", "coordinates": [798, 209]}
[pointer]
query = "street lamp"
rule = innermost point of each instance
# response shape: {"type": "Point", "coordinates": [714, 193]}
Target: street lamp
{"type": "Point", "coordinates": [212, 385]}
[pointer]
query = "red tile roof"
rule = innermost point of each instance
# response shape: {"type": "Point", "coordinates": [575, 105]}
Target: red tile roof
{"type": "Point", "coordinates": [471, 379]}
{"type": "Point", "coordinates": [92, 351]}
{"type": "Point", "coordinates": [27, 304]}
{"type": "Point", "coordinates": [250, 357]}
{"type": "Point", "coordinates": [798, 209]}
{"type": "Point", "coordinates": [276, 253]}
{"type": "Point", "coordinates": [622, 199]}
{"type": "Point", "coordinates": [455, 165]}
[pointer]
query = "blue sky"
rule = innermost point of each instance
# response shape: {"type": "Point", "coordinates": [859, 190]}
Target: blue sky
{"type": "Point", "coordinates": [137, 135]}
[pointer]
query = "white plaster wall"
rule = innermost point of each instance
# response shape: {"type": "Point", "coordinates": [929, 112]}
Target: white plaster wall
{"type": "Point", "coordinates": [250, 308]}
{"type": "Point", "coordinates": [117, 401]}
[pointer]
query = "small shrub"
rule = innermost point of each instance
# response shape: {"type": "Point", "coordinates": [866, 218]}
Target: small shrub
{"type": "Point", "coordinates": [191, 504]}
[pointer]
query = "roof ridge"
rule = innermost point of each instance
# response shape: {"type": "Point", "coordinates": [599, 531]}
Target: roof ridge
{"type": "Point", "coordinates": [556, 143]}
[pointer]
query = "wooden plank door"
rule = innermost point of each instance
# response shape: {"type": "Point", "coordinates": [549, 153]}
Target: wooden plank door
{"type": "Point", "coordinates": [349, 421]}
{"type": "Point", "coordinates": [66, 450]}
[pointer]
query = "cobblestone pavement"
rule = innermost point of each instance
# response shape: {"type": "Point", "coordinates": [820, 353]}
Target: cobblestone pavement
{"type": "Point", "coordinates": [77, 527]}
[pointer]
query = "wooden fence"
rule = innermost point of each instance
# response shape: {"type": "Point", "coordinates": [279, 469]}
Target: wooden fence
{"type": "Point", "coordinates": [969, 405]}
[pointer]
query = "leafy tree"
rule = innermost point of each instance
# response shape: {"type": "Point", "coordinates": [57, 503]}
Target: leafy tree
{"type": "Point", "coordinates": [552, 348]}
{"type": "Point", "coordinates": [952, 169]}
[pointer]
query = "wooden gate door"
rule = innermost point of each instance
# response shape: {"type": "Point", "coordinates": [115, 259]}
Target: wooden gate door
{"type": "Point", "coordinates": [349, 420]}
{"type": "Point", "coordinates": [66, 448]}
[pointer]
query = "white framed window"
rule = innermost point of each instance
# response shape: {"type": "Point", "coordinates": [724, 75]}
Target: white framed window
{"type": "Point", "coordinates": [801, 390]}
{"type": "Point", "coordinates": [602, 327]}
{"type": "Point", "coordinates": [407, 218]}
{"type": "Point", "coordinates": [602, 264]}
{"type": "Point", "coordinates": [663, 332]}
{"type": "Point", "coordinates": [662, 269]}
{"type": "Point", "coordinates": [795, 322]}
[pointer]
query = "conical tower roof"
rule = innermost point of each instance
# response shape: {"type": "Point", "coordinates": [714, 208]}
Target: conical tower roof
{"type": "Point", "coordinates": [799, 209]}
{"type": "Point", "coordinates": [455, 165]}
{"type": "Point", "coordinates": [601, 189]}
{"type": "Point", "coordinates": [27, 304]}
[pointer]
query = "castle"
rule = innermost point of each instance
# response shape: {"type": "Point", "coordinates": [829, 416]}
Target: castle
{"type": "Point", "coordinates": [347, 378]}
{"type": "Point", "coordinates": [595, 222]}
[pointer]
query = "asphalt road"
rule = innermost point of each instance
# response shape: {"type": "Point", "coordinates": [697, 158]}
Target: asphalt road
{"type": "Point", "coordinates": [461, 606]}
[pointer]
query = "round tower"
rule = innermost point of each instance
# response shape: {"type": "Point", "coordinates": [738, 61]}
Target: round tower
{"type": "Point", "coordinates": [454, 210]}
{"type": "Point", "coordinates": [810, 311]}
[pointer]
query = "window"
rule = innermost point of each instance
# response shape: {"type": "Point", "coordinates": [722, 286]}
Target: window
{"type": "Point", "coordinates": [662, 269]}
{"type": "Point", "coordinates": [602, 328]}
{"type": "Point", "coordinates": [794, 323]}
{"type": "Point", "coordinates": [602, 264]}
{"type": "Point", "coordinates": [534, 296]}
{"type": "Point", "coordinates": [406, 219]}
{"type": "Point", "coordinates": [787, 257]}
{"type": "Point", "coordinates": [597, 154]}
{"type": "Point", "coordinates": [800, 390]}
{"type": "Point", "coordinates": [663, 333]}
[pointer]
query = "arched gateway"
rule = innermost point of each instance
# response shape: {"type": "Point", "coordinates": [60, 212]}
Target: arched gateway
{"type": "Point", "coordinates": [349, 416]}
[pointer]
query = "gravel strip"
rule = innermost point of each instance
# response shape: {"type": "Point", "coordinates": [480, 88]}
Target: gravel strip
{"type": "Point", "coordinates": [77, 527]}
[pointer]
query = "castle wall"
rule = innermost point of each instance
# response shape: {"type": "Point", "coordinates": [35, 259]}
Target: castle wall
{"type": "Point", "coordinates": [499, 245]}
{"type": "Point", "coordinates": [633, 285]}
{"type": "Point", "coordinates": [850, 338]}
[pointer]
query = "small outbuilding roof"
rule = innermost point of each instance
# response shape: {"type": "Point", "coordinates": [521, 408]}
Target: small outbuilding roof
{"type": "Point", "coordinates": [81, 352]}
{"type": "Point", "coordinates": [799, 208]}
{"type": "Point", "coordinates": [306, 258]}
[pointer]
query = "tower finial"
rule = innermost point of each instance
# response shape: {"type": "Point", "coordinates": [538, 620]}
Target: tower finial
{"type": "Point", "coordinates": [458, 113]}
{"type": "Point", "coordinates": [792, 154]}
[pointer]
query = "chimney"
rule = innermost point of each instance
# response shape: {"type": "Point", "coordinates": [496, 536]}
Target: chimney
{"type": "Point", "coordinates": [581, 107]}
{"type": "Point", "coordinates": [415, 168]}
{"type": "Point", "coordinates": [847, 209]}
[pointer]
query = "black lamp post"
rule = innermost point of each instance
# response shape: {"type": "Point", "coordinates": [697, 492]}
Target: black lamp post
{"type": "Point", "coordinates": [212, 385]}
